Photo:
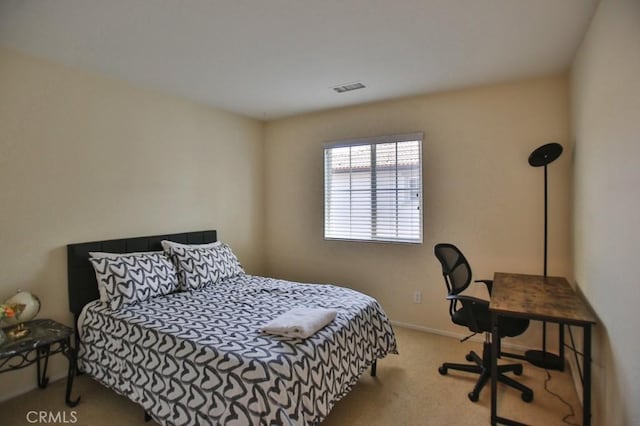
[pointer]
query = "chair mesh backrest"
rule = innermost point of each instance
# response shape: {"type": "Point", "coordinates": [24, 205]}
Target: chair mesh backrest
{"type": "Point", "coordinates": [455, 268]}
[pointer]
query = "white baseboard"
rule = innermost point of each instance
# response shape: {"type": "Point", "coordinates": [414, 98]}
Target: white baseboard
{"type": "Point", "coordinates": [477, 338]}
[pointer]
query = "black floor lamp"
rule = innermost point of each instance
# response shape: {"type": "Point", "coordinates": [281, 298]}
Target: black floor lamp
{"type": "Point", "coordinates": [541, 157]}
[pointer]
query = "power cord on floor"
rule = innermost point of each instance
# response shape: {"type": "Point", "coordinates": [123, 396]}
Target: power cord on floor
{"type": "Point", "coordinates": [572, 414]}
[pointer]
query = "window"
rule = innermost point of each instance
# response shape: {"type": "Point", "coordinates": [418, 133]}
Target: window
{"type": "Point", "coordinates": [373, 189]}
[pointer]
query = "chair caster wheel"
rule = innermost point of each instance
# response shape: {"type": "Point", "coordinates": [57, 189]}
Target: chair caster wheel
{"type": "Point", "coordinates": [527, 396]}
{"type": "Point", "coordinates": [468, 357]}
{"type": "Point", "coordinates": [473, 397]}
{"type": "Point", "coordinates": [442, 370]}
{"type": "Point", "coordinates": [518, 371]}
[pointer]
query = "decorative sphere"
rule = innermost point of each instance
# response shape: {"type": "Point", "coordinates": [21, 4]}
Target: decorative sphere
{"type": "Point", "coordinates": [31, 307]}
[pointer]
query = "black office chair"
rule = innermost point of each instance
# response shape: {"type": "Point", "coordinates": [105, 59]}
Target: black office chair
{"type": "Point", "coordinates": [474, 314]}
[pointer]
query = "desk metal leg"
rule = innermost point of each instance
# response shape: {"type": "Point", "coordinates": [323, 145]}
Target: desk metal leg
{"type": "Point", "coordinates": [586, 385]}
{"type": "Point", "coordinates": [495, 339]}
{"type": "Point", "coordinates": [561, 345]}
{"type": "Point", "coordinates": [495, 353]}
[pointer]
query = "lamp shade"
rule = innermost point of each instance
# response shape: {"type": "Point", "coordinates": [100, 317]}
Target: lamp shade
{"type": "Point", "coordinates": [545, 154]}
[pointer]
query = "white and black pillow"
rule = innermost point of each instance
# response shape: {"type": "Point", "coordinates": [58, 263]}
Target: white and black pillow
{"type": "Point", "coordinates": [102, 254]}
{"type": "Point", "coordinates": [135, 278]}
{"type": "Point", "coordinates": [201, 266]}
{"type": "Point", "coordinates": [228, 263]}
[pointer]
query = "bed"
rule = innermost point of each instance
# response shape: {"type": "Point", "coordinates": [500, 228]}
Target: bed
{"type": "Point", "coordinates": [198, 356]}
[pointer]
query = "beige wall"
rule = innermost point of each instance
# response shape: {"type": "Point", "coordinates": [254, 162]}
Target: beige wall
{"type": "Point", "coordinates": [86, 158]}
{"type": "Point", "coordinates": [606, 127]}
{"type": "Point", "coordinates": [479, 193]}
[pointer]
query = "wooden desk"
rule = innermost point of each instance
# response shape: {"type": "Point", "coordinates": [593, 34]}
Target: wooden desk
{"type": "Point", "coordinates": [539, 298]}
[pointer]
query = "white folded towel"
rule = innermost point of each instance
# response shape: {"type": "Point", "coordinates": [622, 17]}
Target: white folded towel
{"type": "Point", "coordinates": [299, 322]}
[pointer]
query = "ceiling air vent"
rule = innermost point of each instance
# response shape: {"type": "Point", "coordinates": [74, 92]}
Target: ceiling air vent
{"type": "Point", "coordinates": [349, 87]}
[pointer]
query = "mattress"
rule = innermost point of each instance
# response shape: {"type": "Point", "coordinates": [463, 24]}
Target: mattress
{"type": "Point", "coordinates": [198, 357]}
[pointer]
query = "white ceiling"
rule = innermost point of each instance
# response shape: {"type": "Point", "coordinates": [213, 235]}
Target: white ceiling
{"type": "Point", "coordinates": [272, 58]}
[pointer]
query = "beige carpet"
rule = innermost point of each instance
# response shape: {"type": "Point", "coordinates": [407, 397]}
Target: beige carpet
{"type": "Point", "coordinates": [407, 391]}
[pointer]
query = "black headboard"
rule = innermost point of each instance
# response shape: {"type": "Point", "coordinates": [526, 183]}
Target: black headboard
{"type": "Point", "coordinates": [83, 287]}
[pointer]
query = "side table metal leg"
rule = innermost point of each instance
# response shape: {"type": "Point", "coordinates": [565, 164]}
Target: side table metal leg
{"type": "Point", "coordinates": [43, 352]}
{"type": "Point", "coordinates": [71, 355]}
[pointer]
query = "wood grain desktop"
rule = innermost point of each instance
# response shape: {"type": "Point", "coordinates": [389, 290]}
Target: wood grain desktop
{"type": "Point", "coordinates": [538, 297]}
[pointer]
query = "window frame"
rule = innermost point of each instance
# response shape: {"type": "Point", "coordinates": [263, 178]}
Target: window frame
{"type": "Point", "coordinates": [375, 140]}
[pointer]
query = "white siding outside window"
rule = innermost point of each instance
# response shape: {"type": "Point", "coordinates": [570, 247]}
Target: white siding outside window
{"type": "Point", "coordinates": [373, 189]}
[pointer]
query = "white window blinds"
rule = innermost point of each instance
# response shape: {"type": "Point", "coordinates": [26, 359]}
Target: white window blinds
{"type": "Point", "coordinates": [373, 189]}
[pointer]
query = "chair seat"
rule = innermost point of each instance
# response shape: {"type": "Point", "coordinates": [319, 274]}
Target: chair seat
{"type": "Point", "coordinates": [507, 327]}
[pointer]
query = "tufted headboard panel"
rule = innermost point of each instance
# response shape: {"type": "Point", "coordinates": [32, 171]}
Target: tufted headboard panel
{"type": "Point", "coordinates": [82, 285]}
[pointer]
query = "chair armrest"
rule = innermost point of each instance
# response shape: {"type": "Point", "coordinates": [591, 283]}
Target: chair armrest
{"type": "Point", "coordinates": [488, 283]}
{"type": "Point", "coordinates": [464, 299]}
{"type": "Point", "coordinates": [473, 307]}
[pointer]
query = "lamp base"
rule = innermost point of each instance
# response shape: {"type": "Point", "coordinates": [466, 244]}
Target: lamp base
{"type": "Point", "coordinates": [18, 332]}
{"type": "Point", "coordinates": [544, 360]}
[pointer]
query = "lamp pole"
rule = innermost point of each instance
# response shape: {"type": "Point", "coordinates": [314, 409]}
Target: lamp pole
{"type": "Point", "coordinates": [541, 157]}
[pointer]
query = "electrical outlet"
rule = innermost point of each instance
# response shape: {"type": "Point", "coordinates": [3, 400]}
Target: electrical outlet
{"type": "Point", "coordinates": [417, 296]}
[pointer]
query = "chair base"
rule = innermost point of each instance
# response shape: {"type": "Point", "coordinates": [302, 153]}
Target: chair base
{"type": "Point", "coordinates": [482, 366]}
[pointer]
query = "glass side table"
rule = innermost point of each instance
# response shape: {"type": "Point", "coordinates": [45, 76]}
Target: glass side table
{"type": "Point", "coordinates": [46, 338]}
